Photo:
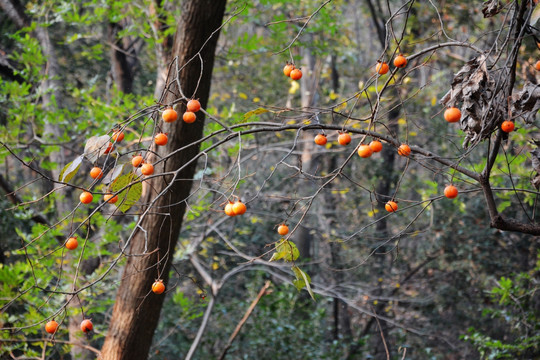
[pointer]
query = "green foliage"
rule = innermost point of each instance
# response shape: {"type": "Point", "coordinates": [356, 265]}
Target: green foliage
{"type": "Point", "coordinates": [519, 315]}
{"type": "Point", "coordinates": [130, 194]}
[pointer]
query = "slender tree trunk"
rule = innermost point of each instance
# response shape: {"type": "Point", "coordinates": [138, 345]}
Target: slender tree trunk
{"type": "Point", "coordinates": [309, 163]}
{"type": "Point", "coordinates": [136, 314]}
{"type": "Point", "coordinates": [121, 70]}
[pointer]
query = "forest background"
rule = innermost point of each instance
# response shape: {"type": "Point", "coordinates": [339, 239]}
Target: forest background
{"type": "Point", "coordinates": [433, 278]}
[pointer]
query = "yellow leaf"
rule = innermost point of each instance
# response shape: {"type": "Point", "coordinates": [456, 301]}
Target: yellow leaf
{"type": "Point", "coordinates": [215, 266]}
{"type": "Point", "coordinates": [307, 121]}
{"type": "Point", "coordinates": [370, 213]}
{"type": "Point", "coordinates": [433, 101]}
{"type": "Point", "coordinates": [291, 122]}
{"type": "Point", "coordinates": [402, 121]}
{"type": "Point", "coordinates": [242, 96]}
{"type": "Point", "coordinates": [328, 145]}
{"type": "Point", "coordinates": [340, 107]}
{"type": "Point", "coordinates": [256, 99]}
{"type": "Point", "coordinates": [294, 87]}
{"type": "Point", "coordinates": [257, 111]}
{"type": "Point", "coordinates": [398, 285]}
{"type": "Point", "coordinates": [333, 95]}
{"type": "Point", "coordinates": [413, 133]}
{"type": "Point", "coordinates": [375, 302]}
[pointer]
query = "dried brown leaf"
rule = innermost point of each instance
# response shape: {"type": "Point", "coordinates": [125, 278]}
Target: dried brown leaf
{"type": "Point", "coordinates": [491, 8]}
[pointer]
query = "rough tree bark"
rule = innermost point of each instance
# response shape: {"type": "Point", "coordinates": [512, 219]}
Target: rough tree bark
{"type": "Point", "coordinates": [135, 315]}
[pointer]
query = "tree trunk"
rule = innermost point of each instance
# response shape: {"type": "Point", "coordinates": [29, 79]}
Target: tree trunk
{"type": "Point", "coordinates": [136, 314]}
{"type": "Point", "coordinates": [121, 70]}
{"type": "Point", "coordinates": [309, 162]}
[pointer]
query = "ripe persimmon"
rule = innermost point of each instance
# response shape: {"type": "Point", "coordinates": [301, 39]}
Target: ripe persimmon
{"type": "Point", "coordinates": [189, 117]}
{"type": "Point", "coordinates": [320, 139]}
{"type": "Point", "coordinates": [296, 74]}
{"type": "Point", "coordinates": [96, 173]}
{"type": "Point", "coordinates": [382, 68]}
{"type": "Point", "coordinates": [117, 136]}
{"type": "Point", "coordinates": [450, 191]}
{"type": "Point", "coordinates": [239, 207]}
{"type": "Point", "coordinates": [169, 115]}
{"type": "Point", "coordinates": [193, 105]}
{"type": "Point", "coordinates": [507, 126]}
{"type": "Point", "coordinates": [229, 209]}
{"type": "Point", "coordinates": [87, 326]}
{"type": "Point", "coordinates": [537, 65]}
{"type": "Point", "coordinates": [72, 243]}
{"type": "Point", "coordinates": [51, 327]}
{"type": "Point", "coordinates": [137, 161]}
{"type": "Point", "coordinates": [364, 151]}
{"type": "Point", "coordinates": [147, 169]}
{"type": "Point", "coordinates": [109, 148]}
{"type": "Point", "coordinates": [161, 139]}
{"type": "Point", "coordinates": [452, 114]}
{"type": "Point", "coordinates": [283, 229]}
{"type": "Point", "coordinates": [287, 69]}
{"type": "Point", "coordinates": [404, 150]}
{"type": "Point", "coordinates": [344, 139]}
{"type": "Point", "coordinates": [158, 287]}
{"type": "Point", "coordinates": [400, 61]}
{"type": "Point", "coordinates": [391, 206]}
{"type": "Point", "coordinates": [375, 145]}
{"type": "Point", "coordinates": [86, 197]}
{"type": "Point", "coordinates": [110, 198]}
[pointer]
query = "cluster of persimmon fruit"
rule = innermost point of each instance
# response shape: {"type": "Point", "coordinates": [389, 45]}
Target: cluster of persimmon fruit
{"type": "Point", "coordinates": [86, 326]}
{"type": "Point", "coordinates": [292, 71]}
{"type": "Point", "coordinates": [169, 115]}
{"type": "Point", "coordinates": [451, 115]}
{"type": "Point", "coordinates": [160, 139]}
{"type": "Point", "coordinates": [235, 208]}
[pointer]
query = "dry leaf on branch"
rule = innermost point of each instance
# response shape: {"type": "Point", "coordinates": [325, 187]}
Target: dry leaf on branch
{"type": "Point", "coordinates": [473, 87]}
{"type": "Point", "coordinates": [490, 8]}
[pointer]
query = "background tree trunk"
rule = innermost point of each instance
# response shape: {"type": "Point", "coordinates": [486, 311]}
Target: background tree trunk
{"type": "Point", "coordinates": [136, 314]}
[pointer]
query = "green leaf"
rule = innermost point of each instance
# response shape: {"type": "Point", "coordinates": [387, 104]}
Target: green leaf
{"type": "Point", "coordinates": [503, 205]}
{"type": "Point", "coordinates": [286, 250]}
{"type": "Point", "coordinates": [69, 171]}
{"type": "Point", "coordinates": [129, 196]}
{"type": "Point", "coordinates": [257, 111]}
{"type": "Point", "coordinates": [302, 280]}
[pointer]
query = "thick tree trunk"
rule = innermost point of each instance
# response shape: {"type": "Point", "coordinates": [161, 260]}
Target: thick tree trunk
{"type": "Point", "coordinates": [136, 314]}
